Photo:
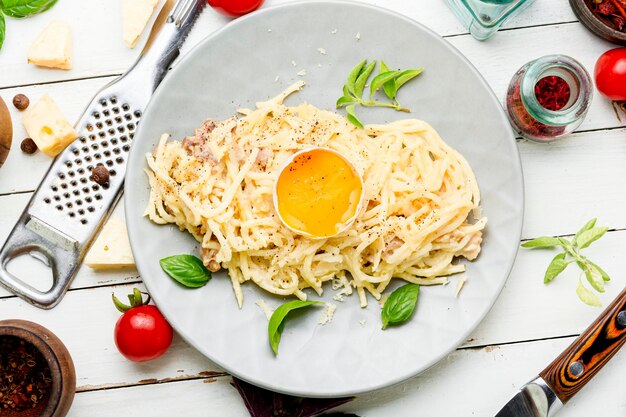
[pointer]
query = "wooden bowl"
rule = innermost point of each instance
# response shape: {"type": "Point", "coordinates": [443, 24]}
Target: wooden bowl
{"type": "Point", "coordinates": [596, 24]}
{"type": "Point", "coordinates": [58, 359]}
{"type": "Point", "coordinates": [6, 132]}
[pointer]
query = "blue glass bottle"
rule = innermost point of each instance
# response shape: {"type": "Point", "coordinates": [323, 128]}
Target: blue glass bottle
{"type": "Point", "coordinates": [484, 17]}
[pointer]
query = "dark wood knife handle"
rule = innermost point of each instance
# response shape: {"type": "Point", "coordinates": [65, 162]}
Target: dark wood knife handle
{"type": "Point", "coordinates": [589, 353]}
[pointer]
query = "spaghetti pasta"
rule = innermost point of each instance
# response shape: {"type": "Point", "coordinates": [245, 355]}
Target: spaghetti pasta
{"type": "Point", "coordinates": [420, 196]}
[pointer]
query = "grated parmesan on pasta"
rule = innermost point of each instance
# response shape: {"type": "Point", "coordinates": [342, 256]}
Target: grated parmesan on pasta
{"type": "Point", "coordinates": [420, 199]}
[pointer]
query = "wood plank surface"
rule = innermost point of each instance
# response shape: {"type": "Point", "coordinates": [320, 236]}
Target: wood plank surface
{"type": "Point", "coordinates": [470, 382]}
{"type": "Point", "coordinates": [99, 50]}
{"type": "Point", "coordinates": [566, 183]}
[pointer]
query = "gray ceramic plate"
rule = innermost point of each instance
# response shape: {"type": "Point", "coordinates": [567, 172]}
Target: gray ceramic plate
{"type": "Point", "coordinates": [239, 65]}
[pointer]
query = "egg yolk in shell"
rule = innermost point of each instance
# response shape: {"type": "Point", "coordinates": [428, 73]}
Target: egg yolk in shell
{"type": "Point", "coordinates": [318, 193]}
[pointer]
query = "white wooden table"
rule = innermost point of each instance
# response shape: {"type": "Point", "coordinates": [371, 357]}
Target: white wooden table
{"type": "Point", "coordinates": [566, 184]}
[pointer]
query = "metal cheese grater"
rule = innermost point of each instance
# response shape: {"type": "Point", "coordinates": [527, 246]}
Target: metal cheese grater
{"type": "Point", "coordinates": [68, 208]}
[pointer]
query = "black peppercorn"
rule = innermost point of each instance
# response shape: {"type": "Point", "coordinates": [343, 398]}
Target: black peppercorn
{"type": "Point", "coordinates": [21, 102]}
{"type": "Point", "coordinates": [100, 175]}
{"type": "Point", "coordinates": [28, 146]}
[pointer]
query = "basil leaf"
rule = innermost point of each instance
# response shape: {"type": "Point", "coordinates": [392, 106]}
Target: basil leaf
{"type": "Point", "coordinates": [586, 296]}
{"type": "Point", "coordinates": [187, 270]}
{"type": "Point", "coordinates": [390, 86]}
{"type": "Point", "coordinates": [406, 76]}
{"type": "Point", "coordinates": [557, 266]}
{"type": "Point", "coordinates": [2, 29]}
{"type": "Point", "coordinates": [587, 237]}
{"type": "Point", "coordinates": [276, 324]}
{"type": "Point", "coordinates": [542, 242]}
{"type": "Point", "coordinates": [593, 276]}
{"type": "Point", "coordinates": [604, 275]}
{"type": "Point", "coordinates": [24, 8]}
{"type": "Point", "coordinates": [344, 101]}
{"type": "Point", "coordinates": [359, 86]}
{"type": "Point", "coordinates": [354, 74]}
{"type": "Point", "coordinates": [589, 225]}
{"type": "Point", "coordinates": [400, 305]}
{"type": "Point", "coordinates": [381, 79]}
{"type": "Point", "coordinates": [352, 117]}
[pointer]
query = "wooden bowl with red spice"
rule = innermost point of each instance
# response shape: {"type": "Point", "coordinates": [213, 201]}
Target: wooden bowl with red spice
{"type": "Point", "coordinates": [605, 18]}
{"type": "Point", "coordinates": [37, 375]}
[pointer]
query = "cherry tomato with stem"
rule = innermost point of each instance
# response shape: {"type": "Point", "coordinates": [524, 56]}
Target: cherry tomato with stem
{"type": "Point", "coordinates": [142, 333]}
{"type": "Point", "coordinates": [235, 8]}
{"type": "Point", "coordinates": [610, 74]}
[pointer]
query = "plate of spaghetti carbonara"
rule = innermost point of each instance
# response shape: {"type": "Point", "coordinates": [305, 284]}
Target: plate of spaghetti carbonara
{"type": "Point", "coordinates": [432, 197]}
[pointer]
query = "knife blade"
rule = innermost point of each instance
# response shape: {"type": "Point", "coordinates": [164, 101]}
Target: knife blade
{"type": "Point", "coordinates": [567, 374]}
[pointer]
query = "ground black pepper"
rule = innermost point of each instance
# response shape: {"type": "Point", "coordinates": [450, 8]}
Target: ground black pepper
{"type": "Point", "coordinates": [25, 378]}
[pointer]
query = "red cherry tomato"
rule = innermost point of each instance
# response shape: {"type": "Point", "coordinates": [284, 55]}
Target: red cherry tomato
{"type": "Point", "coordinates": [610, 74]}
{"type": "Point", "coordinates": [235, 8]}
{"type": "Point", "coordinates": [142, 333]}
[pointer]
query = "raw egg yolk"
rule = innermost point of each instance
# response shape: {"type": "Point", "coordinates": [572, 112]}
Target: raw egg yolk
{"type": "Point", "coordinates": [318, 193]}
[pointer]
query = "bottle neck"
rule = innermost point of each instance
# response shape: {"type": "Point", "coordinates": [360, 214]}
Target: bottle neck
{"type": "Point", "coordinates": [571, 72]}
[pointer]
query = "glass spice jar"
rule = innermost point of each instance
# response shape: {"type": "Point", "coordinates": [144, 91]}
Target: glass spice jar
{"type": "Point", "coordinates": [549, 97]}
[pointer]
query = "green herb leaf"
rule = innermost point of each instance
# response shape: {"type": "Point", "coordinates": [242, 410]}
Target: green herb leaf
{"type": "Point", "coordinates": [542, 242]}
{"type": "Point", "coordinates": [604, 275]}
{"type": "Point", "coordinates": [276, 324]}
{"type": "Point", "coordinates": [25, 8]}
{"type": "Point", "coordinates": [400, 305]}
{"type": "Point", "coordinates": [587, 237]}
{"type": "Point", "coordinates": [352, 77]}
{"type": "Point", "coordinates": [359, 86]}
{"type": "Point", "coordinates": [589, 225]}
{"type": "Point", "coordinates": [188, 270]}
{"type": "Point", "coordinates": [406, 76]}
{"type": "Point", "coordinates": [2, 29]}
{"type": "Point", "coordinates": [593, 275]}
{"type": "Point", "coordinates": [390, 86]}
{"type": "Point", "coordinates": [557, 266]}
{"type": "Point", "coordinates": [345, 101]}
{"type": "Point", "coordinates": [569, 248]}
{"type": "Point", "coordinates": [381, 79]}
{"type": "Point", "coordinates": [587, 296]}
{"type": "Point", "coordinates": [352, 117]}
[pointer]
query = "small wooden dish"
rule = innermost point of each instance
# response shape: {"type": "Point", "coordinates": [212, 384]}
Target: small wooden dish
{"type": "Point", "coordinates": [57, 357]}
{"type": "Point", "coordinates": [596, 24]}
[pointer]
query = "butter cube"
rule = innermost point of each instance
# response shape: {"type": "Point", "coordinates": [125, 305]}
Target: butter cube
{"type": "Point", "coordinates": [112, 248]}
{"type": "Point", "coordinates": [53, 47]}
{"type": "Point", "coordinates": [135, 17]}
{"type": "Point", "coordinates": [47, 126]}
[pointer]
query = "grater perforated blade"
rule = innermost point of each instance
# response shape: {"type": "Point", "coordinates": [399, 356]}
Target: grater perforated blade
{"type": "Point", "coordinates": [68, 208]}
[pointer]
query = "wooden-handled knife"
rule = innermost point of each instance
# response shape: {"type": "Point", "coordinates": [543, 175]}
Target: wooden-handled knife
{"type": "Point", "coordinates": [568, 373]}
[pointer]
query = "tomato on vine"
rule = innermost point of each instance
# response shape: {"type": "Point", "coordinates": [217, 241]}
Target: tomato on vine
{"type": "Point", "coordinates": [142, 333]}
{"type": "Point", "coordinates": [235, 8]}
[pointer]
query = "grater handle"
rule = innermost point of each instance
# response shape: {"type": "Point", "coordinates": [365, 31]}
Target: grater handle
{"type": "Point", "coordinates": [58, 251]}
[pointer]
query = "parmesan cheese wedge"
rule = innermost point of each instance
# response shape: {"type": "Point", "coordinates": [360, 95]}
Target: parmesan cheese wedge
{"type": "Point", "coordinates": [135, 17]}
{"type": "Point", "coordinates": [53, 47]}
{"type": "Point", "coordinates": [111, 249]}
{"type": "Point", "coordinates": [48, 127]}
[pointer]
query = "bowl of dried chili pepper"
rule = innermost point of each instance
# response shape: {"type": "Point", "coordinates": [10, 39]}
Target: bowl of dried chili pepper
{"type": "Point", "coordinates": [605, 18]}
{"type": "Point", "coordinates": [37, 375]}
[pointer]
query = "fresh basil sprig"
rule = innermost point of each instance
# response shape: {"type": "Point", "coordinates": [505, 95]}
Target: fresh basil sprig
{"type": "Point", "coordinates": [276, 324]}
{"type": "Point", "coordinates": [25, 8]}
{"type": "Point", "coordinates": [20, 9]}
{"type": "Point", "coordinates": [400, 305]}
{"type": "Point", "coordinates": [3, 29]}
{"type": "Point", "coordinates": [595, 275]}
{"type": "Point", "coordinates": [389, 80]}
{"type": "Point", "coordinates": [187, 270]}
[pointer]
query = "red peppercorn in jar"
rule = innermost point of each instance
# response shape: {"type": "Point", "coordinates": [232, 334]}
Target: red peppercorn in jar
{"type": "Point", "coordinates": [549, 97]}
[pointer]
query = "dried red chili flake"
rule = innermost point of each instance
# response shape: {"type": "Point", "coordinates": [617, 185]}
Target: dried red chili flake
{"type": "Point", "coordinates": [612, 11]}
{"type": "Point", "coordinates": [25, 379]}
{"type": "Point", "coordinates": [552, 92]}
